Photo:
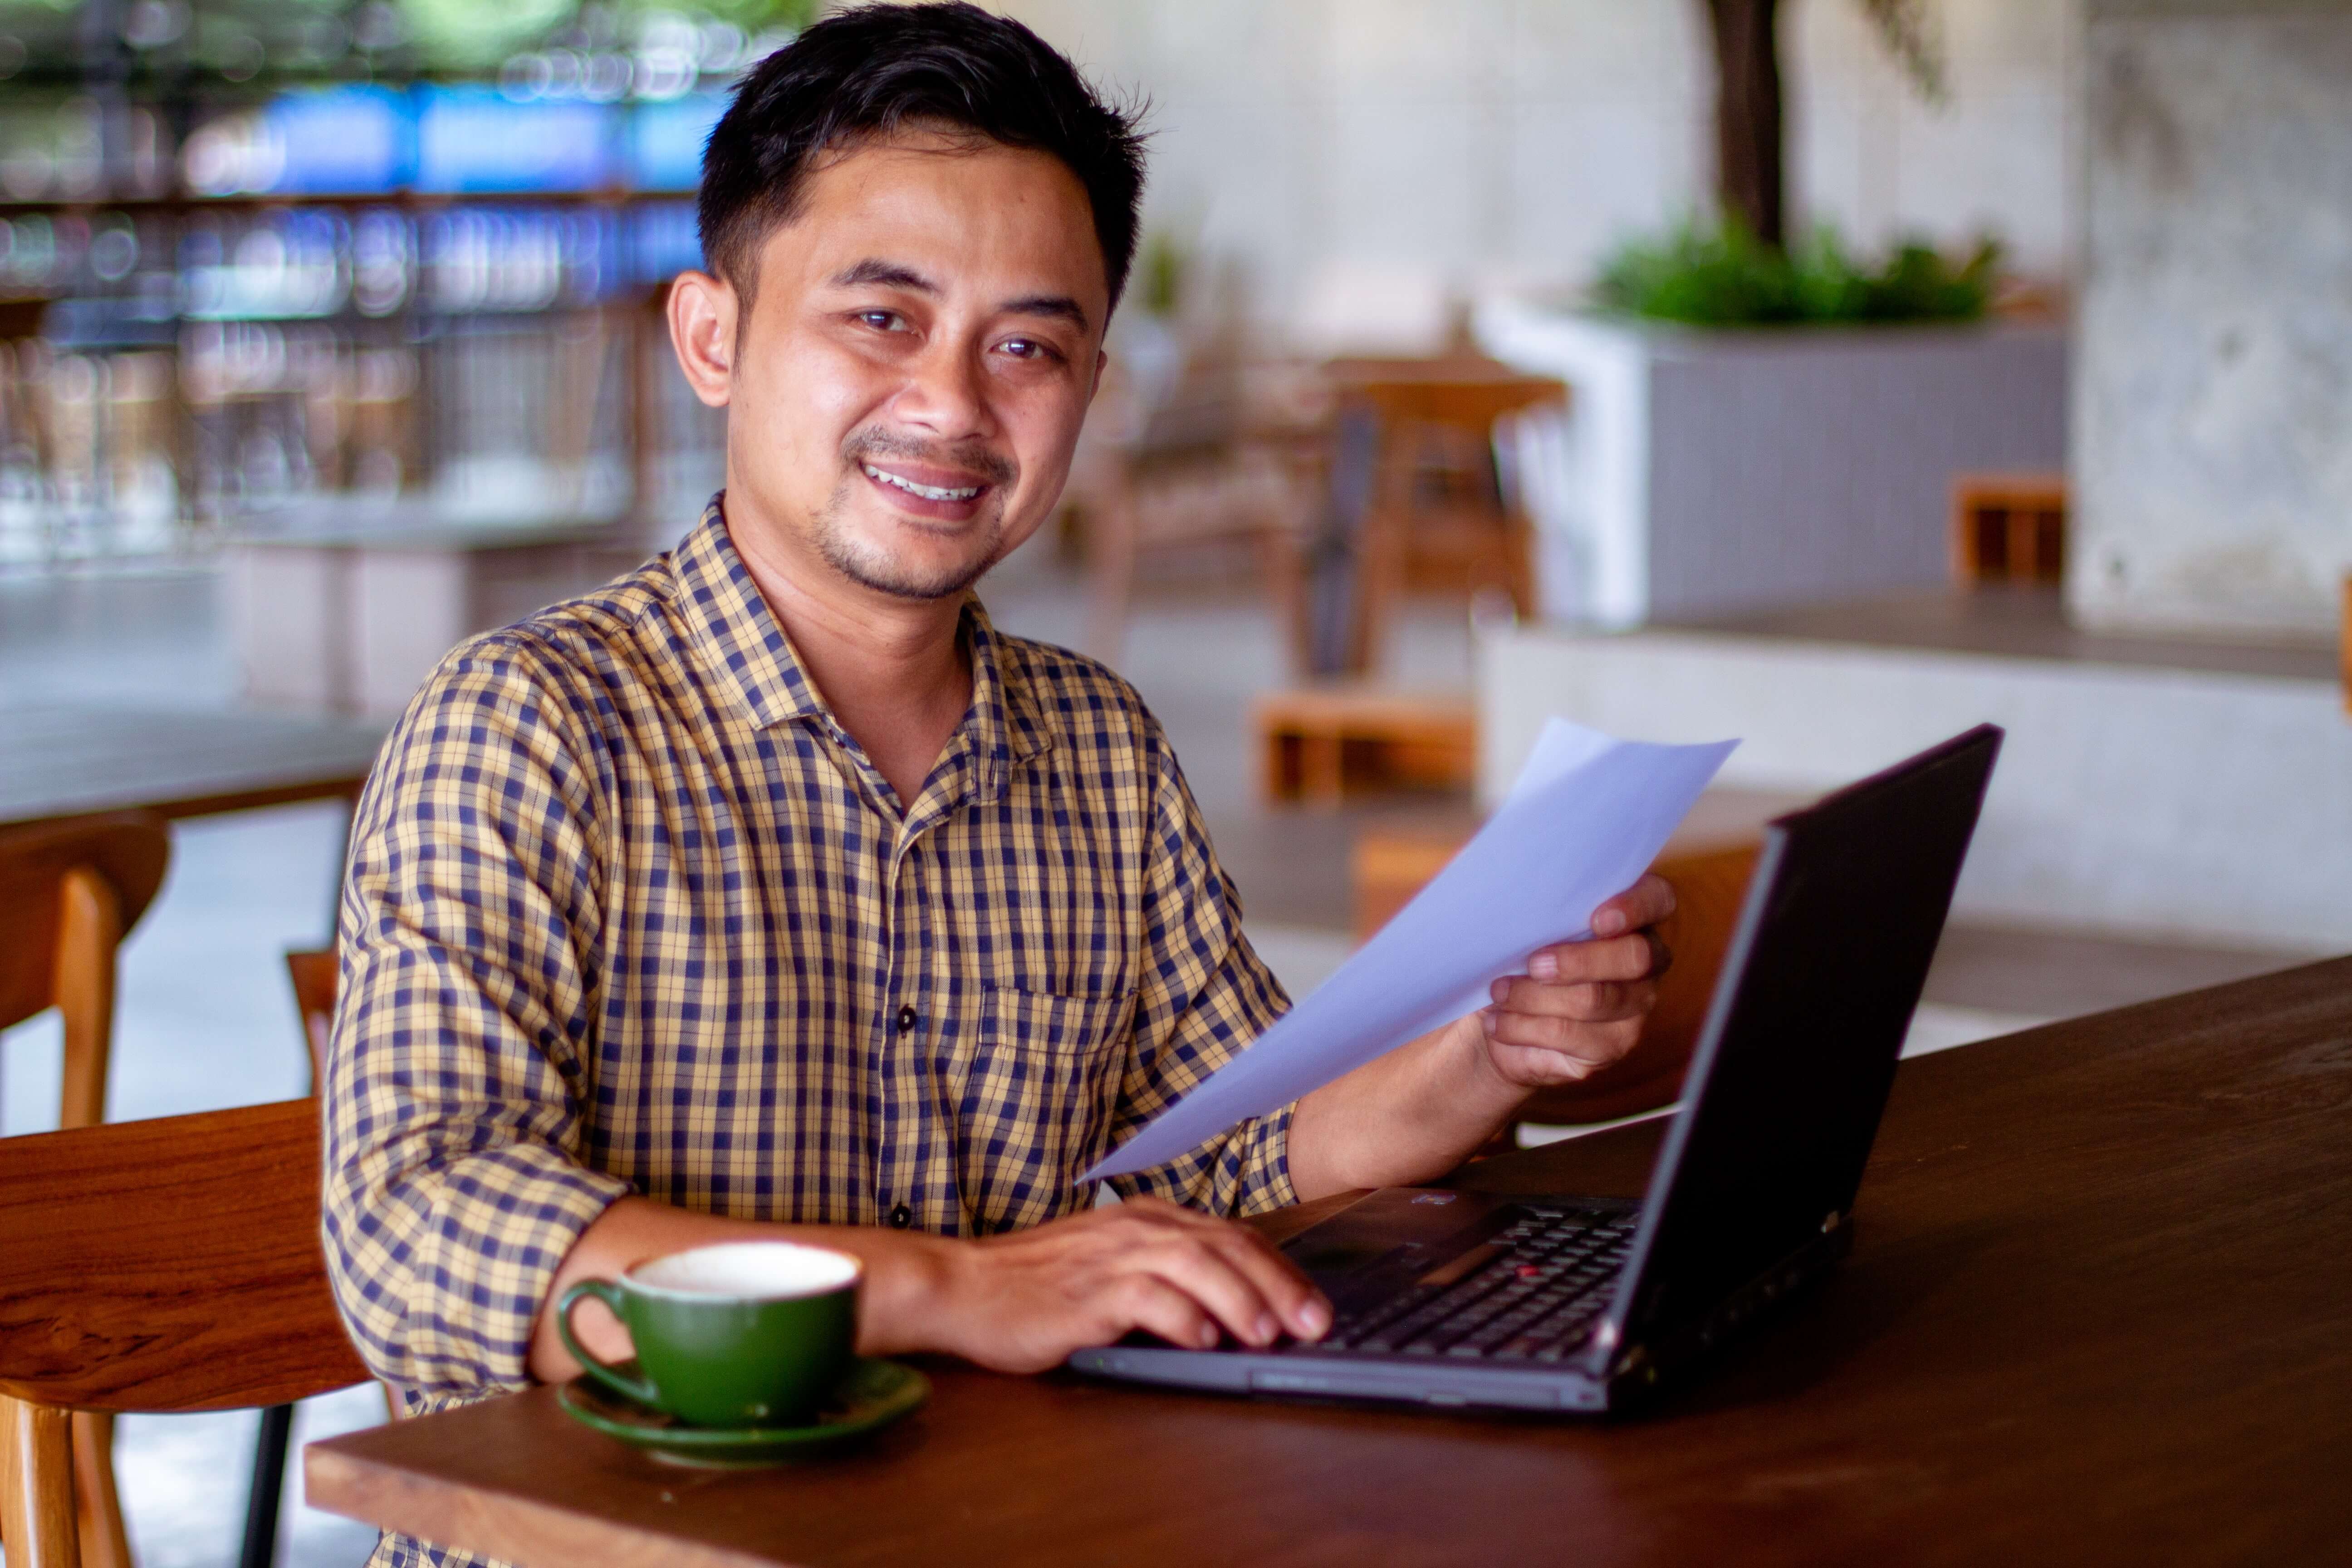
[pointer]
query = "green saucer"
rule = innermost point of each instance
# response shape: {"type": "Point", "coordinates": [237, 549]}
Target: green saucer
{"type": "Point", "coordinates": [874, 1394]}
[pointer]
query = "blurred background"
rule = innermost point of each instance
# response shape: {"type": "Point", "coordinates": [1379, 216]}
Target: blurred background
{"type": "Point", "coordinates": [1834, 374]}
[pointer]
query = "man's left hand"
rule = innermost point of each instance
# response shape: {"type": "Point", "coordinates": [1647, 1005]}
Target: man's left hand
{"type": "Point", "coordinates": [1581, 1004]}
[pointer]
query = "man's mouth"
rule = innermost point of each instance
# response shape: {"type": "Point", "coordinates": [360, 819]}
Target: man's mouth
{"type": "Point", "coordinates": [925, 492]}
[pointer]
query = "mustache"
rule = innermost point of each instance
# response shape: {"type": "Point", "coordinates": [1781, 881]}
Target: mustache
{"type": "Point", "coordinates": [992, 467]}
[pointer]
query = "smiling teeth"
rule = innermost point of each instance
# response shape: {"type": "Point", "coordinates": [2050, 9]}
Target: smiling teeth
{"type": "Point", "coordinates": [928, 492]}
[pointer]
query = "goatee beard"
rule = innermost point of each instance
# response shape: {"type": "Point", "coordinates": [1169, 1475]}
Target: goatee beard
{"type": "Point", "coordinates": [870, 567]}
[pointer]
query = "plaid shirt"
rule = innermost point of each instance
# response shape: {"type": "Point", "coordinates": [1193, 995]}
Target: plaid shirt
{"type": "Point", "coordinates": [629, 911]}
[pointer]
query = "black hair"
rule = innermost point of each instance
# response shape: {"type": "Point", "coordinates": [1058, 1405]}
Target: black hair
{"type": "Point", "coordinates": [874, 70]}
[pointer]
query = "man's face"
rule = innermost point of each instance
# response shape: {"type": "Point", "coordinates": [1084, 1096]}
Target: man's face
{"type": "Point", "coordinates": [922, 341]}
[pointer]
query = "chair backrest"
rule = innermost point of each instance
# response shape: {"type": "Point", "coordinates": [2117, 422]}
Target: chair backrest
{"type": "Point", "coordinates": [69, 891]}
{"type": "Point", "coordinates": [1709, 887]}
{"type": "Point", "coordinates": [169, 1265]}
{"type": "Point", "coordinates": [316, 975]}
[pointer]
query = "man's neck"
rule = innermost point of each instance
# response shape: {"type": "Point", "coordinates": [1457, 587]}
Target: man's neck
{"type": "Point", "coordinates": [893, 670]}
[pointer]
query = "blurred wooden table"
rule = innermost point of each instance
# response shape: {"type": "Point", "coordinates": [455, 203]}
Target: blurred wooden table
{"type": "Point", "coordinates": [2096, 1313]}
{"type": "Point", "coordinates": [60, 762]}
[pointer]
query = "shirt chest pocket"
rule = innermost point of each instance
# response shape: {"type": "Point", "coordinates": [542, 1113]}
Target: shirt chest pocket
{"type": "Point", "coordinates": [1036, 1102]}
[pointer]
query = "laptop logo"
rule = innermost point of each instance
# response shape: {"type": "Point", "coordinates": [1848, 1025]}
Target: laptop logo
{"type": "Point", "coordinates": [1436, 1198]}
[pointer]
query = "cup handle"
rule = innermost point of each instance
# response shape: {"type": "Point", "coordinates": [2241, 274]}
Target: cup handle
{"type": "Point", "coordinates": [610, 1376]}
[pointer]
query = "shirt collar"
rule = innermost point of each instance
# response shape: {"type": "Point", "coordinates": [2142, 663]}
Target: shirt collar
{"type": "Point", "coordinates": [728, 619]}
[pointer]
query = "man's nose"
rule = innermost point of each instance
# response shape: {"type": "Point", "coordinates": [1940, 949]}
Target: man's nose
{"type": "Point", "coordinates": [947, 394]}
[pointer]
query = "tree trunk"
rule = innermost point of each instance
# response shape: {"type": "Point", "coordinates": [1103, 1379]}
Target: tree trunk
{"type": "Point", "coordinates": [1747, 170]}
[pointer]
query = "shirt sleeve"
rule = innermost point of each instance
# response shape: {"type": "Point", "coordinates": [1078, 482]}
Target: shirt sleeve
{"type": "Point", "coordinates": [453, 1103]}
{"type": "Point", "coordinates": [1204, 995]}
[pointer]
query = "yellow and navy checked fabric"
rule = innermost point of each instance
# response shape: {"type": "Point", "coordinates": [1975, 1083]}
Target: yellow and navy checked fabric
{"type": "Point", "coordinates": [629, 911]}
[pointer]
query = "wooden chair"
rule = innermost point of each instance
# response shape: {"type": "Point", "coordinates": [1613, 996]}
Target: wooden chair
{"type": "Point", "coordinates": [169, 1265]}
{"type": "Point", "coordinates": [1709, 887]}
{"type": "Point", "coordinates": [69, 893]}
{"type": "Point", "coordinates": [315, 976]}
{"type": "Point", "coordinates": [1212, 467]}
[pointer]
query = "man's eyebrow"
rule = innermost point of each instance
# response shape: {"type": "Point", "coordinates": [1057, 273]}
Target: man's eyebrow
{"type": "Point", "coordinates": [1060, 305]}
{"type": "Point", "coordinates": [894, 275]}
{"type": "Point", "coordinates": [889, 274]}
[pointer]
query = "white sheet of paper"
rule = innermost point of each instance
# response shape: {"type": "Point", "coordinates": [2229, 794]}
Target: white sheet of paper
{"type": "Point", "coordinates": [1586, 818]}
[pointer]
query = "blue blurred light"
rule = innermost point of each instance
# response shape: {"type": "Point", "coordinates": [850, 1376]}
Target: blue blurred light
{"type": "Point", "coordinates": [665, 141]}
{"type": "Point", "coordinates": [663, 242]}
{"type": "Point", "coordinates": [353, 140]}
{"type": "Point", "coordinates": [474, 139]}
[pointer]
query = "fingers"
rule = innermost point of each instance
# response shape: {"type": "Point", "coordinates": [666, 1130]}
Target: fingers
{"type": "Point", "coordinates": [1633, 957]}
{"type": "Point", "coordinates": [1146, 1301]}
{"type": "Point", "coordinates": [1645, 904]}
{"type": "Point", "coordinates": [1594, 1040]}
{"type": "Point", "coordinates": [1232, 1273]}
{"type": "Point", "coordinates": [1593, 1002]}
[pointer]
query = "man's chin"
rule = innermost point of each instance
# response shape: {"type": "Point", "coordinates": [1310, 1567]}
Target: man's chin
{"type": "Point", "coordinates": [921, 584]}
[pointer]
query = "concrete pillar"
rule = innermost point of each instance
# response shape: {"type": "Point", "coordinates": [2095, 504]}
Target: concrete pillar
{"type": "Point", "coordinates": [2212, 444]}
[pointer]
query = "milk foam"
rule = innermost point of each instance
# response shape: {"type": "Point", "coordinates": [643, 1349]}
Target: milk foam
{"type": "Point", "coordinates": [762, 1269]}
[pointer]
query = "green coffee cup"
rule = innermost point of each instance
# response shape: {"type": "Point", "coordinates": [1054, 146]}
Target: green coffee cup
{"type": "Point", "coordinates": [748, 1333]}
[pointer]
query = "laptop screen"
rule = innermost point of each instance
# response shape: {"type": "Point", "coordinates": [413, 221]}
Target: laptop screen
{"type": "Point", "coordinates": [1798, 1052]}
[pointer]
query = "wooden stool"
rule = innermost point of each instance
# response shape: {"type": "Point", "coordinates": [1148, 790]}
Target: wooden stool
{"type": "Point", "coordinates": [2009, 528]}
{"type": "Point", "coordinates": [1319, 743]}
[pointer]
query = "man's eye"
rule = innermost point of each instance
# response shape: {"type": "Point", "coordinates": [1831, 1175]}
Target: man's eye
{"type": "Point", "coordinates": [880, 320]}
{"type": "Point", "coordinates": [1027, 348]}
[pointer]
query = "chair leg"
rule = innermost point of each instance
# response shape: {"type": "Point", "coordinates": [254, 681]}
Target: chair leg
{"type": "Point", "coordinates": [1111, 551]}
{"type": "Point", "coordinates": [88, 935]}
{"type": "Point", "coordinates": [268, 1485]}
{"type": "Point", "coordinates": [104, 1542]}
{"type": "Point", "coordinates": [36, 1494]}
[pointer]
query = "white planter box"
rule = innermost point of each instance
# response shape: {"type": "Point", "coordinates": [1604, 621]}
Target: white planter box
{"type": "Point", "coordinates": [1706, 473]}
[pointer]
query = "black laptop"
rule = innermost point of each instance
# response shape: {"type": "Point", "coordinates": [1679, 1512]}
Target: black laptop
{"type": "Point", "coordinates": [1456, 1298]}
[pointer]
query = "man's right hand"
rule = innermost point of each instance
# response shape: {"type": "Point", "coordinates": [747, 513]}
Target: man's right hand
{"type": "Point", "coordinates": [1024, 1302]}
{"type": "Point", "coordinates": [1019, 1303]}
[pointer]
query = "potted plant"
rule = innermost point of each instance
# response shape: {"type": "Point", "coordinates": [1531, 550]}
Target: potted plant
{"type": "Point", "coordinates": [1756, 423]}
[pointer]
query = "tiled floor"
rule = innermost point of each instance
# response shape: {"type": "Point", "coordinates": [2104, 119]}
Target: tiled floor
{"type": "Point", "coordinates": [206, 1021]}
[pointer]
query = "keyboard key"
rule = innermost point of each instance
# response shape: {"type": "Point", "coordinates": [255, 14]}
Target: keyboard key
{"type": "Point", "coordinates": [1536, 1300]}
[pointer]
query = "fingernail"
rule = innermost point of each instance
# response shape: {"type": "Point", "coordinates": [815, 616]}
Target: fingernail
{"type": "Point", "coordinates": [1267, 1328]}
{"type": "Point", "coordinates": [1609, 922]}
{"type": "Point", "coordinates": [1208, 1336]}
{"type": "Point", "coordinates": [1544, 966]}
{"type": "Point", "coordinates": [1313, 1318]}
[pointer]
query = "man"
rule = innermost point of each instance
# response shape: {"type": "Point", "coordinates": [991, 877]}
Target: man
{"type": "Point", "coordinates": [769, 892]}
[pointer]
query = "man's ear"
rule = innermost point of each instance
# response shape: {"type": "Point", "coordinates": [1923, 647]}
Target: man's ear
{"type": "Point", "coordinates": [1102, 363]}
{"type": "Point", "coordinates": [701, 311]}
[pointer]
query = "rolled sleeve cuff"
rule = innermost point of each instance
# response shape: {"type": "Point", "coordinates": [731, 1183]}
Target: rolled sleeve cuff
{"type": "Point", "coordinates": [496, 1226]}
{"type": "Point", "coordinates": [1244, 1172]}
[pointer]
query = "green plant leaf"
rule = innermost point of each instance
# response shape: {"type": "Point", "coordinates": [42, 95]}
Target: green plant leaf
{"type": "Point", "coordinates": [1723, 276]}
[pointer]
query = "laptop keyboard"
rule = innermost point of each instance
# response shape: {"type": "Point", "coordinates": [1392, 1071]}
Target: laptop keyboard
{"type": "Point", "coordinates": [1535, 1299]}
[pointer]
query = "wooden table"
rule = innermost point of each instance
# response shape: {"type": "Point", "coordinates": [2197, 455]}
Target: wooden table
{"type": "Point", "coordinates": [183, 762]}
{"type": "Point", "coordinates": [2100, 1310]}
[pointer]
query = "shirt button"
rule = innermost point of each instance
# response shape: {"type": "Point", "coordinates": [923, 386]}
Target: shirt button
{"type": "Point", "coordinates": [901, 1217]}
{"type": "Point", "coordinates": [906, 1019]}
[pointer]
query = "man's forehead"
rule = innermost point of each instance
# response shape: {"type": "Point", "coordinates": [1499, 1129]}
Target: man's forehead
{"type": "Point", "coordinates": [956, 213]}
